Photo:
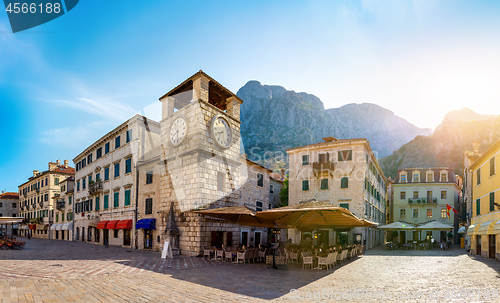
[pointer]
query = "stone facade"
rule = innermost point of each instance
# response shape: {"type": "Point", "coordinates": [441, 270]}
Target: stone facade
{"type": "Point", "coordinates": [9, 203]}
{"type": "Point", "coordinates": [347, 175]}
{"type": "Point", "coordinates": [105, 179]}
{"type": "Point", "coordinates": [36, 198]}
{"type": "Point", "coordinates": [62, 229]}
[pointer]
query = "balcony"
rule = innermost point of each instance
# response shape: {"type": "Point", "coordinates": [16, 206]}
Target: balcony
{"type": "Point", "coordinates": [41, 204]}
{"type": "Point", "coordinates": [60, 204]}
{"type": "Point", "coordinates": [322, 168]}
{"type": "Point", "coordinates": [95, 188]}
{"type": "Point", "coordinates": [27, 207]}
{"type": "Point", "coordinates": [422, 201]}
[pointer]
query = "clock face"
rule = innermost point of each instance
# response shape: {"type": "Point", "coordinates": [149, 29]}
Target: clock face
{"type": "Point", "coordinates": [221, 132]}
{"type": "Point", "coordinates": [178, 130]}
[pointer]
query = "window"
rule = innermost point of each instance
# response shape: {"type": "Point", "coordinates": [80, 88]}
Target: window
{"type": "Point", "coordinates": [415, 194]}
{"type": "Point", "coordinates": [149, 177]}
{"type": "Point", "coordinates": [402, 195]}
{"type": "Point", "coordinates": [443, 194]}
{"type": "Point", "coordinates": [416, 178]}
{"type": "Point", "coordinates": [415, 213]}
{"type": "Point", "coordinates": [305, 185]}
{"type": "Point", "coordinates": [444, 177]}
{"type": "Point", "coordinates": [90, 179]}
{"type": "Point", "coordinates": [116, 199]}
{"type": "Point", "coordinates": [129, 136]}
{"type": "Point", "coordinates": [492, 201]}
{"type": "Point", "coordinates": [324, 183]}
{"type": "Point", "coordinates": [128, 165]}
{"type": "Point", "coordinates": [69, 200]}
{"type": "Point", "coordinates": [478, 176]}
{"type": "Point", "coordinates": [97, 203]}
{"type": "Point", "coordinates": [127, 197]}
{"type": "Point", "coordinates": [492, 166]}
{"type": "Point", "coordinates": [89, 158]}
{"type": "Point", "coordinates": [258, 206]}
{"type": "Point", "coordinates": [429, 213]}
{"type": "Point", "coordinates": [403, 178]}
{"type": "Point", "coordinates": [84, 162]}
{"type": "Point", "coordinates": [57, 217]}
{"type": "Point", "coordinates": [106, 202]}
{"type": "Point", "coordinates": [271, 189]}
{"type": "Point", "coordinates": [106, 174]}
{"type": "Point", "coordinates": [78, 185]}
{"type": "Point", "coordinates": [117, 169]}
{"type": "Point", "coordinates": [323, 158]}
{"type": "Point", "coordinates": [149, 206]}
{"type": "Point", "coordinates": [260, 180]}
{"type": "Point", "coordinates": [344, 182]}
{"type": "Point", "coordinates": [106, 148]}
{"type": "Point", "coordinates": [14, 205]}
{"type": "Point", "coordinates": [345, 155]}
{"type": "Point", "coordinates": [62, 217]}
{"type": "Point", "coordinates": [56, 181]}
{"type": "Point", "coordinates": [443, 213]}
{"type": "Point", "coordinates": [46, 197]}
{"type": "Point", "coordinates": [98, 177]}
{"type": "Point", "coordinates": [305, 159]}
{"type": "Point", "coordinates": [98, 153]}
{"type": "Point", "coordinates": [117, 142]}
{"type": "Point", "coordinates": [83, 183]}
{"type": "Point", "coordinates": [478, 207]}
{"type": "Point", "coordinates": [402, 213]}
{"type": "Point", "coordinates": [344, 205]}
{"type": "Point", "coordinates": [115, 233]}
{"type": "Point", "coordinates": [430, 178]}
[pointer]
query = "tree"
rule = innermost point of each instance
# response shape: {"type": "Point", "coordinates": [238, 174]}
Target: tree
{"type": "Point", "coordinates": [284, 194]}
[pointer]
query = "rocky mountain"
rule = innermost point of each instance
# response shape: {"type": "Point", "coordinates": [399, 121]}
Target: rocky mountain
{"type": "Point", "coordinates": [445, 147]}
{"type": "Point", "coordinates": [275, 119]}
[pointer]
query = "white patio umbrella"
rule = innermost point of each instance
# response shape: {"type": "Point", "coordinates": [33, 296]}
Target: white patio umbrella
{"type": "Point", "coordinates": [398, 225]}
{"type": "Point", "coordinates": [435, 225]}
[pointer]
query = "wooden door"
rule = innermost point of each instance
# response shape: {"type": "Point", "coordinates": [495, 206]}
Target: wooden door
{"type": "Point", "coordinates": [492, 246]}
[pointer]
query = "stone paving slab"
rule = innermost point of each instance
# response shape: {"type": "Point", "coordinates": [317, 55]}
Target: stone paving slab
{"type": "Point", "coordinates": [95, 274]}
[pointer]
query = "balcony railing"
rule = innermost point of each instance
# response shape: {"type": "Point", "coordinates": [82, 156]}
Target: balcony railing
{"type": "Point", "coordinates": [95, 187]}
{"type": "Point", "coordinates": [322, 167]}
{"type": "Point", "coordinates": [60, 204]}
{"type": "Point", "coordinates": [422, 200]}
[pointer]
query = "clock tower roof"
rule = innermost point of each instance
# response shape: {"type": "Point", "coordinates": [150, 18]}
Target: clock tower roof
{"type": "Point", "coordinates": [217, 93]}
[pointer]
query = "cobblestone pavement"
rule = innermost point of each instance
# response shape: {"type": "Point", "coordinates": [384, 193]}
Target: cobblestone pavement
{"type": "Point", "coordinates": [60, 271]}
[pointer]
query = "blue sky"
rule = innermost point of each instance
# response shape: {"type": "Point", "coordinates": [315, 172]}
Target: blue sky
{"type": "Point", "coordinates": [66, 83]}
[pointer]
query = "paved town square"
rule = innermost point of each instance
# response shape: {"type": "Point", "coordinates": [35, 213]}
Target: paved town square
{"type": "Point", "coordinates": [62, 271]}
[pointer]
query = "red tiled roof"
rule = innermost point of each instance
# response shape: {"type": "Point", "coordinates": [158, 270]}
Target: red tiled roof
{"type": "Point", "coordinates": [276, 177]}
{"type": "Point", "coordinates": [62, 169]}
{"type": "Point", "coordinates": [9, 195]}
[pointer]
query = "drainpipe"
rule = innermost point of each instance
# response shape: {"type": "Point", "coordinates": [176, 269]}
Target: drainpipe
{"type": "Point", "coordinates": [136, 206]}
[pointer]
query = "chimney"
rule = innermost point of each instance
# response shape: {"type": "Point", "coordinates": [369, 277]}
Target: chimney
{"type": "Point", "coordinates": [52, 166]}
{"type": "Point", "coordinates": [475, 147]}
{"type": "Point", "coordinates": [58, 162]}
{"type": "Point", "coordinates": [330, 139]}
{"type": "Point", "coordinates": [66, 163]}
{"type": "Point", "coordinates": [283, 173]}
{"type": "Point", "coordinates": [35, 172]}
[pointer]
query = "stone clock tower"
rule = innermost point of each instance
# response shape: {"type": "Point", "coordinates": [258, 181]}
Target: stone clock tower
{"type": "Point", "coordinates": [202, 165]}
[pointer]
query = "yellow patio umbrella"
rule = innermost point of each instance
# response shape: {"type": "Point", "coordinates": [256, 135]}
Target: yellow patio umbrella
{"type": "Point", "coordinates": [241, 215]}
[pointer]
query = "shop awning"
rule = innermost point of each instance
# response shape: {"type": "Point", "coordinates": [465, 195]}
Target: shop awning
{"type": "Point", "coordinates": [486, 228]}
{"type": "Point", "coordinates": [67, 226]}
{"type": "Point", "coordinates": [102, 224]}
{"type": "Point", "coordinates": [8, 220]}
{"type": "Point", "coordinates": [146, 224]}
{"type": "Point", "coordinates": [112, 224]}
{"type": "Point", "coordinates": [41, 227]}
{"type": "Point", "coordinates": [32, 226]}
{"type": "Point", "coordinates": [93, 222]}
{"type": "Point", "coordinates": [472, 230]}
{"type": "Point", "coordinates": [54, 226]}
{"type": "Point", "coordinates": [124, 224]}
{"type": "Point", "coordinates": [23, 227]}
{"type": "Point", "coordinates": [59, 226]}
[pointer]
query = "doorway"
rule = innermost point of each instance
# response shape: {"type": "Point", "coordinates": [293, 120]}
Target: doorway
{"type": "Point", "coordinates": [97, 236]}
{"type": "Point", "coordinates": [148, 238]}
{"type": "Point", "coordinates": [402, 237]}
{"type": "Point", "coordinates": [244, 238]}
{"type": "Point", "coordinates": [126, 237]}
{"type": "Point", "coordinates": [83, 234]}
{"type": "Point", "coordinates": [323, 237]}
{"type": "Point", "coordinates": [492, 246]}
{"type": "Point", "coordinates": [77, 233]}
{"type": "Point", "coordinates": [478, 245]}
{"type": "Point", "coordinates": [257, 238]}
{"type": "Point", "coordinates": [105, 236]}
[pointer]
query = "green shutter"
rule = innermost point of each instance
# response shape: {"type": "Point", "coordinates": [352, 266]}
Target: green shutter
{"type": "Point", "coordinates": [106, 201]}
{"type": "Point", "coordinates": [324, 183]}
{"type": "Point", "coordinates": [344, 182]}
{"type": "Point", "coordinates": [344, 205]}
{"type": "Point", "coordinates": [492, 201]}
{"type": "Point", "coordinates": [305, 185]}
{"type": "Point", "coordinates": [478, 207]}
{"type": "Point", "coordinates": [97, 203]}
{"type": "Point", "coordinates": [116, 198]}
{"type": "Point", "coordinates": [127, 197]}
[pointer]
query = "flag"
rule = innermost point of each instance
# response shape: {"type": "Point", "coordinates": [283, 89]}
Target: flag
{"type": "Point", "coordinates": [448, 208]}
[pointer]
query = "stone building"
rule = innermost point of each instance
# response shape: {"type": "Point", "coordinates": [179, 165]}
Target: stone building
{"type": "Point", "coordinates": [106, 186]}
{"type": "Point", "coordinates": [62, 226]}
{"type": "Point", "coordinates": [36, 198]}
{"type": "Point", "coordinates": [9, 203]}
{"type": "Point", "coordinates": [421, 195]}
{"type": "Point", "coordinates": [344, 173]}
{"type": "Point", "coordinates": [275, 186]}
{"type": "Point", "coordinates": [469, 158]}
